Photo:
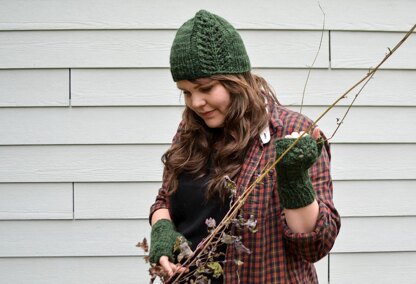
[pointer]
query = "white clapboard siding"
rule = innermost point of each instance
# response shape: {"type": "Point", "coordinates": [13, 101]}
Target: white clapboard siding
{"type": "Point", "coordinates": [35, 201]}
{"type": "Point", "coordinates": [130, 125]}
{"type": "Point", "coordinates": [373, 161]}
{"type": "Point", "coordinates": [373, 268]}
{"type": "Point", "coordinates": [90, 270]}
{"type": "Point", "coordinates": [351, 198]}
{"type": "Point", "coordinates": [114, 200]}
{"type": "Point", "coordinates": [28, 88]}
{"type": "Point", "coordinates": [110, 163]}
{"type": "Point", "coordinates": [366, 124]}
{"type": "Point", "coordinates": [362, 198]}
{"type": "Point", "coordinates": [322, 270]}
{"type": "Point", "coordinates": [115, 237]}
{"type": "Point", "coordinates": [82, 14]}
{"type": "Point", "coordinates": [70, 270]}
{"type": "Point", "coordinates": [387, 88]}
{"type": "Point", "coordinates": [132, 200]}
{"type": "Point", "coordinates": [146, 48]}
{"type": "Point", "coordinates": [72, 238]}
{"type": "Point", "coordinates": [98, 163]}
{"type": "Point", "coordinates": [88, 107]}
{"type": "Point", "coordinates": [376, 234]}
{"type": "Point", "coordinates": [367, 49]}
{"type": "Point", "coordinates": [101, 125]}
{"type": "Point", "coordinates": [100, 87]}
{"type": "Point", "coordinates": [385, 15]}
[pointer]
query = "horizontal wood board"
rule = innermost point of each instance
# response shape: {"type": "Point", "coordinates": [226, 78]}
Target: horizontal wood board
{"type": "Point", "coordinates": [141, 163]}
{"type": "Point", "coordinates": [157, 14]}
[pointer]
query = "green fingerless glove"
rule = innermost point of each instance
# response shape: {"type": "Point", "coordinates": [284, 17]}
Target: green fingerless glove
{"type": "Point", "coordinates": [294, 184]}
{"type": "Point", "coordinates": [162, 241]}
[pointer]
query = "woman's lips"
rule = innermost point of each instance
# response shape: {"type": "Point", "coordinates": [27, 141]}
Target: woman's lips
{"type": "Point", "coordinates": [208, 113]}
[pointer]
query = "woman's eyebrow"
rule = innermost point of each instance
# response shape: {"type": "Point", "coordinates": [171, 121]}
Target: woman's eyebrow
{"type": "Point", "coordinates": [208, 84]}
{"type": "Point", "coordinates": [180, 88]}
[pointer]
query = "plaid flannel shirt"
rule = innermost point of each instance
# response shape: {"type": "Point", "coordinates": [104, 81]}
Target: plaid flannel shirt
{"type": "Point", "coordinates": [278, 255]}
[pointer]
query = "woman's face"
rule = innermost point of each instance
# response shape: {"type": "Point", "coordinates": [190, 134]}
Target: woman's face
{"type": "Point", "coordinates": [208, 99]}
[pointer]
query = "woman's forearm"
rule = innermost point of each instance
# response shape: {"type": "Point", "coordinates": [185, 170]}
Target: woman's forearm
{"type": "Point", "coordinates": [302, 220]}
{"type": "Point", "coordinates": [160, 214]}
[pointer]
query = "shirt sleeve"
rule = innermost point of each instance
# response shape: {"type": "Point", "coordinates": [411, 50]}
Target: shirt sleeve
{"type": "Point", "coordinates": [315, 245]}
{"type": "Point", "coordinates": [162, 199]}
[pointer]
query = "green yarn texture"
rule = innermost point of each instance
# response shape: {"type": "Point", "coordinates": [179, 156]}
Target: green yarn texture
{"type": "Point", "coordinates": [207, 45]}
{"type": "Point", "coordinates": [162, 240]}
{"type": "Point", "coordinates": [294, 184]}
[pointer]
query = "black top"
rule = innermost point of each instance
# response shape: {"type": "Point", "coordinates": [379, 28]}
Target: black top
{"type": "Point", "coordinates": [190, 208]}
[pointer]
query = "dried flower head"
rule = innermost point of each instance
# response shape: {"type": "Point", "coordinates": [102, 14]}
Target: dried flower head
{"type": "Point", "coordinates": [251, 224]}
{"type": "Point", "coordinates": [182, 248]}
{"type": "Point", "coordinates": [216, 269]}
{"type": "Point", "coordinates": [143, 245]}
{"type": "Point", "coordinates": [230, 185]}
{"type": "Point", "coordinates": [228, 239]}
{"type": "Point", "coordinates": [156, 271]}
{"type": "Point", "coordinates": [211, 224]}
{"type": "Point", "coordinates": [240, 247]}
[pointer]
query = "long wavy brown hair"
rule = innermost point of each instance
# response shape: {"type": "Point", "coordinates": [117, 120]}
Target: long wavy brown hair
{"type": "Point", "coordinates": [192, 151]}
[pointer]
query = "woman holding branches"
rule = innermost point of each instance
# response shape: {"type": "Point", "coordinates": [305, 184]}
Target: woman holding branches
{"type": "Point", "coordinates": [233, 127]}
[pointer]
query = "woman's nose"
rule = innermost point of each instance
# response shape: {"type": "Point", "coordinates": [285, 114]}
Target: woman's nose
{"type": "Point", "coordinates": [198, 101]}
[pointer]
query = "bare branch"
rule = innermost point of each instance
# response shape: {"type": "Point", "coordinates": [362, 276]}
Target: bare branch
{"type": "Point", "coordinates": [314, 60]}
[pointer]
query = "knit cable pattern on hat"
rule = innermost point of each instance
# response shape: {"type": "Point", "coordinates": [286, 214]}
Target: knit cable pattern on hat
{"type": "Point", "coordinates": [207, 45]}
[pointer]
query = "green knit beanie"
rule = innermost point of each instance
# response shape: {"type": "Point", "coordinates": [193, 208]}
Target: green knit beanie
{"type": "Point", "coordinates": [207, 45]}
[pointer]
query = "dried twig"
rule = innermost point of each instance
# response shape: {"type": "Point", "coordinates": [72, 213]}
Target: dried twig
{"type": "Point", "coordinates": [341, 121]}
{"type": "Point", "coordinates": [314, 60]}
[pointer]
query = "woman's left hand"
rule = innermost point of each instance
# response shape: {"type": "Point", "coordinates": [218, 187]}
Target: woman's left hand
{"type": "Point", "coordinates": [316, 133]}
{"type": "Point", "coordinates": [294, 184]}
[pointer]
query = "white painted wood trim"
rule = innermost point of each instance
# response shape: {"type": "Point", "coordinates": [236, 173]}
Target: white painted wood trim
{"type": "Point", "coordinates": [302, 14]}
{"type": "Point", "coordinates": [70, 270]}
{"type": "Point", "coordinates": [72, 238]}
{"type": "Point", "coordinates": [36, 201]}
{"type": "Point", "coordinates": [130, 125]}
{"type": "Point", "coordinates": [146, 48]}
{"type": "Point", "coordinates": [28, 88]}
{"type": "Point", "coordinates": [372, 198]}
{"type": "Point", "coordinates": [137, 87]}
{"type": "Point", "coordinates": [141, 163]}
{"type": "Point", "coordinates": [367, 49]}
{"type": "Point", "coordinates": [380, 268]}
{"type": "Point", "coordinates": [376, 234]}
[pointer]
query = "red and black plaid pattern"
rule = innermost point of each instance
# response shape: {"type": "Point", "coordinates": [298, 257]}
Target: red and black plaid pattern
{"type": "Point", "coordinates": [278, 255]}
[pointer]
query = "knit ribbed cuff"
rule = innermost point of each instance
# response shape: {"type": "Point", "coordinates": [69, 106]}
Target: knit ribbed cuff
{"type": "Point", "coordinates": [294, 183]}
{"type": "Point", "coordinates": [163, 238]}
{"type": "Point", "coordinates": [296, 194]}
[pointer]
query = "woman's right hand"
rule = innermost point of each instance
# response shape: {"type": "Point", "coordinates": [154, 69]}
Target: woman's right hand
{"type": "Point", "coordinates": [170, 267]}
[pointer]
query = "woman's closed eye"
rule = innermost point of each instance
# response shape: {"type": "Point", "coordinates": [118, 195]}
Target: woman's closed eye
{"type": "Point", "coordinates": [186, 93]}
{"type": "Point", "coordinates": [206, 89]}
